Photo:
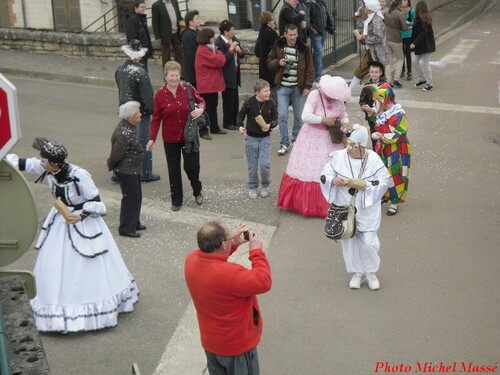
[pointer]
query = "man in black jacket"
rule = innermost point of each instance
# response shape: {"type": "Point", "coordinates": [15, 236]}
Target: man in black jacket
{"type": "Point", "coordinates": [166, 17]}
{"type": "Point", "coordinates": [295, 12]}
{"type": "Point", "coordinates": [134, 85]}
{"type": "Point", "coordinates": [136, 27]}
{"type": "Point", "coordinates": [321, 23]}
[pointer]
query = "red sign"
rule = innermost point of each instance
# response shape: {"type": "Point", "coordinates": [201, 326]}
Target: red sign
{"type": "Point", "coordinates": [10, 129]}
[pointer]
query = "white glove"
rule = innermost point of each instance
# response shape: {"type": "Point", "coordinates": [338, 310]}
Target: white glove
{"type": "Point", "coordinates": [376, 135]}
{"type": "Point", "coordinates": [13, 159]}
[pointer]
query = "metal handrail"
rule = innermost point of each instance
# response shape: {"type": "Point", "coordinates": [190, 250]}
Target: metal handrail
{"type": "Point", "coordinates": [105, 22]}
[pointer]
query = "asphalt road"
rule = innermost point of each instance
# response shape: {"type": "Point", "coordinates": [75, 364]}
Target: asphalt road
{"type": "Point", "coordinates": [439, 296]}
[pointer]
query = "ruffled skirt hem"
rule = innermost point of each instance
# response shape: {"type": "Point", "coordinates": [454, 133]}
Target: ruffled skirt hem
{"type": "Point", "coordinates": [304, 197]}
{"type": "Point", "coordinates": [85, 317]}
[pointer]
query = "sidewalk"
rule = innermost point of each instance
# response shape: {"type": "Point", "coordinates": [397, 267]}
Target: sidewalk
{"type": "Point", "coordinates": [100, 72]}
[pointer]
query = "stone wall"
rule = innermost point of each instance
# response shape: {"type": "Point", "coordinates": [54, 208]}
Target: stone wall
{"type": "Point", "coordinates": [99, 45]}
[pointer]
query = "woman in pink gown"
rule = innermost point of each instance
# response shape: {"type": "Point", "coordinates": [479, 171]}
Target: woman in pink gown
{"type": "Point", "coordinates": [300, 188]}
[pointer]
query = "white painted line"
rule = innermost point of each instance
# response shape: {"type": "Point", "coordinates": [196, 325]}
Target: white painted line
{"type": "Point", "coordinates": [461, 51]}
{"type": "Point", "coordinates": [184, 353]}
{"type": "Point", "coordinates": [450, 107]}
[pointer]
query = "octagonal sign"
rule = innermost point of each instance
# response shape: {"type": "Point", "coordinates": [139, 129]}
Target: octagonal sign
{"type": "Point", "coordinates": [10, 128]}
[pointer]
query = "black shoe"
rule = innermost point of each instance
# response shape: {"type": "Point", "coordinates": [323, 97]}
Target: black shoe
{"type": "Point", "coordinates": [220, 131]}
{"type": "Point", "coordinates": [231, 127]}
{"type": "Point", "coordinates": [153, 177]}
{"type": "Point", "coordinates": [427, 88]}
{"type": "Point", "coordinates": [396, 83]}
{"type": "Point", "coordinates": [141, 227]}
{"type": "Point", "coordinates": [420, 83]}
{"type": "Point", "coordinates": [402, 75]}
{"type": "Point", "coordinates": [199, 199]}
{"type": "Point", "coordinates": [113, 178]}
{"type": "Point", "coordinates": [130, 234]}
{"type": "Point", "coordinates": [408, 78]}
{"type": "Point", "coordinates": [176, 208]}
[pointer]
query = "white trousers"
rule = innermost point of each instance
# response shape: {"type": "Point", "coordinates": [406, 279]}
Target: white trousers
{"type": "Point", "coordinates": [395, 65]}
{"type": "Point", "coordinates": [361, 253]}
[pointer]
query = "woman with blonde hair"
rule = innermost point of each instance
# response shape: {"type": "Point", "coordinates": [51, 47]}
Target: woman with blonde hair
{"type": "Point", "coordinates": [171, 111]}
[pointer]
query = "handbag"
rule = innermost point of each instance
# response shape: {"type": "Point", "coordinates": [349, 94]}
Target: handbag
{"type": "Point", "coordinates": [336, 134]}
{"type": "Point", "coordinates": [340, 222]}
{"type": "Point", "coordinates": [202, 121]}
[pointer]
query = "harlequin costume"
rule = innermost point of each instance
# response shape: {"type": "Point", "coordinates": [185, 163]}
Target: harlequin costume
{"type": "Point", "coordinates": [394, 146]}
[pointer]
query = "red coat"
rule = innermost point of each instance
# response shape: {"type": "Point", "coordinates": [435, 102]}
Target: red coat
{"type": "Point", "coordinates": [208, 66]}
{"type": "Point", "coordinates": [224, 295]}
{"type": "Point", "coordinates": [172, 112]}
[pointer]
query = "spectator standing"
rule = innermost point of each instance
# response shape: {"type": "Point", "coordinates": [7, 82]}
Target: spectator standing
{"type": "Point", "coordinates": [172, 113]}
{"type": "Point", "coordinates": [134, 85]}
{"type": "Point", "coordinates": [166, 17]}
{"type": "Point", "coordinates": [209, 62]}
{"type": "Point", "coordinates": [366, 103]}
{"type": "Point", "coordinates": [295, 13]}
{"type": "Point", "coordinates": [395, 22]}
{"type": "Point", "coordinates": [229, 45]}
{"type": "Point", "coordinates": [321, 25]}
{"type": "Point", "coordinates": [225, 298]}
{"type": "Point", "coordinates": [292, 61]}
{"type": "Point", "coordinates": [423, 45]}
{"type": "Point", "coordinates": [136, 27]}
{"type": "Point", "coordinates": [189, 45]}
{"type": "Point", "coordinates": [371, 33]}
{"type": "Point", "coordinates": [409, 14]}
{"type": "Point", "coordinates": [258, 140]}
{"type": "Point", "coordinates": [265, 42]}
{"type": "Point", "coordinates": [126, 160]}
{"type": "Point", "coordinates": [339, 177]}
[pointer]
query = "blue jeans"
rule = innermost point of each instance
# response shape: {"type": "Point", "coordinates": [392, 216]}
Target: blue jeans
{"type": "Point", "coordinates": [318, 45]}
{"type": "Point", "coordinates": [258, 152]}
{"type": "Point", "coordinates": [289, 96]}
{"type": "Point", "coordinates": [143, 137]}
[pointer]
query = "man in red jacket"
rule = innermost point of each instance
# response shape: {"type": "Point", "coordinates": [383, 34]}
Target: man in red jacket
{"type": "Point", "coordinates": [225, 297]}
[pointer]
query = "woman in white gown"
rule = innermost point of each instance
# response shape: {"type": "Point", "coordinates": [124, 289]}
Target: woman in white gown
{"type": "Point", "coordinates": [82, 281]}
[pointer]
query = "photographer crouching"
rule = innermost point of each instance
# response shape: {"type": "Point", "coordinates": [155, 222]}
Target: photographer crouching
{"type": "Point", "coordinates": [225, 297]}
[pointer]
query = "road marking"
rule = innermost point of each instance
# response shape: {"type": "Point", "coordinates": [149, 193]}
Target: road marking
{"type": "Point", "coordinates": [450, 107]}
{"type": "Point", "coordinates": [461, 51]}
{"type": "Point", "coordinates": [183, 353]}
{"type": "Point", "coordinates": [496, 60]}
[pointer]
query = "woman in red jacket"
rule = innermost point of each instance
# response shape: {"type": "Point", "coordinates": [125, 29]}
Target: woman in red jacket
{"type": "Point", "coordinates": [171, 110]}
{"type": "Point", "coordinates": [209, 78]}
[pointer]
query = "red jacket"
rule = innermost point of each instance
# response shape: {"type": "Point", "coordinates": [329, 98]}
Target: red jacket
{"type": "Point", "coordinates": [172, 112]}
{"type": "Point", "coordinates": [224, 295]}
{"type": "Point", "coordinates": [208, 66]}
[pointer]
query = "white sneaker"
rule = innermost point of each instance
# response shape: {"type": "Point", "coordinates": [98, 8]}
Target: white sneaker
{"type": "Point", "coordinates": [252, 193]}
{"type": "Point", "coordinates": [264, 193]}
{"type": "Point", "coordinates": [283, 150]}
{"type": "Point", "coordinates": [356, 281]}
{"type": "Point", "coordinates": [373, 282]}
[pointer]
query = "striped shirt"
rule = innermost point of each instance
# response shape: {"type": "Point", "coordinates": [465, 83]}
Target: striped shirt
{"type": "Point", "coordinates": [290, 74]}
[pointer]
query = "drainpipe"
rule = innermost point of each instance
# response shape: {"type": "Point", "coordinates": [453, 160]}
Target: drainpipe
{"type": "Point", "coordinates": [24, 13]}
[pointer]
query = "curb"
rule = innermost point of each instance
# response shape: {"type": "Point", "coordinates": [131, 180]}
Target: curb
{"type": "Point", "coordinates": [476, 10]}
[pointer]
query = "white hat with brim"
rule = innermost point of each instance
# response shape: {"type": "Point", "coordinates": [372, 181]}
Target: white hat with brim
{"type": "Point", "coordinates": [335, 88]}
{"type": "Point", "coordinates": [359, 134]}
{"type": "Point", "coordinates": [134, 55]}
{"type": "Point", "coordinates": [373, 5]}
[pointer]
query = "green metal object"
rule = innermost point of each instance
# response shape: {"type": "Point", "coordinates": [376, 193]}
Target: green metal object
{"type": "Point", "coordinates": [4, 355]}
{"type": "Point", "coordinates": [18, 214]}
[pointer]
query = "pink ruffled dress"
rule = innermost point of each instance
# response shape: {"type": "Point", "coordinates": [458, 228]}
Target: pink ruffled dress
{"type": "Point", "coordinates": [300, 189]}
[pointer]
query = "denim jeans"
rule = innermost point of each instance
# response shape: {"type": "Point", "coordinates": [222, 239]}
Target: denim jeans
{"type": "Point", "coordinates": [143, 137]}
{"type": "Point", "coordinates": [317, 46]}
{"type": "Point", "coordinates": [289, 96]}
{"type": "Point", "coordinates": [258, 152]}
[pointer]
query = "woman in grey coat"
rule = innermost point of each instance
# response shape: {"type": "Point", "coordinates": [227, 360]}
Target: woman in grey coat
{"type": "Point", "coordinates": [125, 159]}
